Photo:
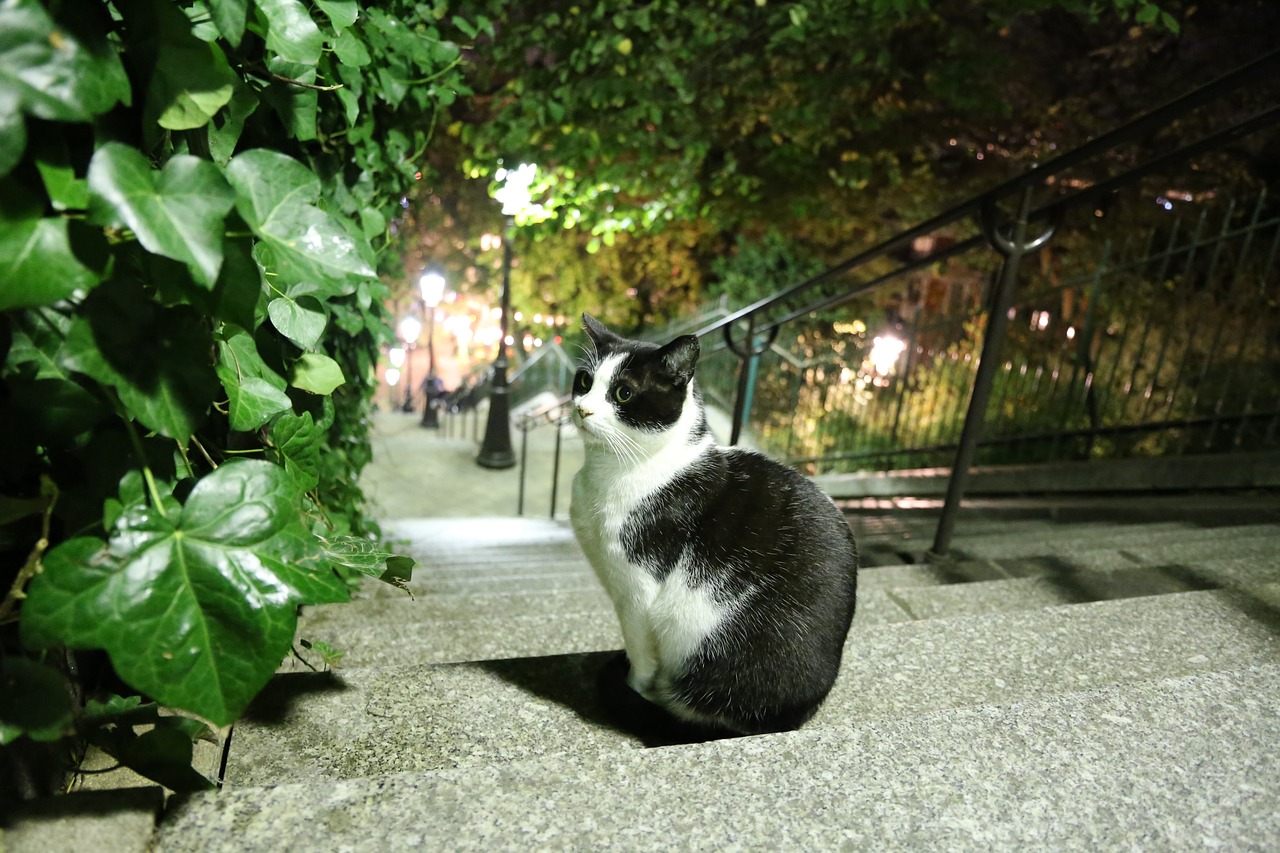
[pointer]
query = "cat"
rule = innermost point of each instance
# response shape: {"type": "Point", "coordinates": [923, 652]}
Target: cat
{"type": "Point", "coordinates": [734, 578]}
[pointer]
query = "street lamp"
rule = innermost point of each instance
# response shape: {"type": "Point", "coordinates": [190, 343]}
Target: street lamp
{"type": "Point", "coordinates": [431, 286]}
{"type": "Point", "coordinates": [496, 450]}
{"type": "Point", "coordinates": [409, 329]}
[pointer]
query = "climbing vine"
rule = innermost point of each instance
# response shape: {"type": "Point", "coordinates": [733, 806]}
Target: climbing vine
{"type": "Point", "coordinates": [195, 199]}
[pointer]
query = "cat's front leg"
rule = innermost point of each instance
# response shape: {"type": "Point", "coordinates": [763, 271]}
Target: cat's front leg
{"type": "Point", "coordinates": [640, 643]}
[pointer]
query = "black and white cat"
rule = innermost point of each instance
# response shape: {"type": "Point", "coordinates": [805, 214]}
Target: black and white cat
{"type": "Point", "coordinates": [734, 577]}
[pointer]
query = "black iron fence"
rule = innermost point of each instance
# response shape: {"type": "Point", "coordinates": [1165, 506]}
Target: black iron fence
{"type": "Point", "coordinates": [1149, 327]}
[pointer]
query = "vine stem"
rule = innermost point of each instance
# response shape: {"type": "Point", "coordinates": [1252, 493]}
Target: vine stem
{"type": "Point", "coordinates": [150, 479]}
{"type": "Point", "coordinates": [32, 567]}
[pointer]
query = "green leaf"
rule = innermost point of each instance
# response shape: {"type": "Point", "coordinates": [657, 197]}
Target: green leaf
{"type": "Point", "coordinates": [253, 402]}
{"type": "Point", "coordinates": [230, 16]}
{"type": "Point", "coordinates": [342, 13]}
{"type": "Point", "coordinates": [239, 285]}
{"type": "Point", "coordinates": [224, 131]}
{"type": "Point", "coordinates": [316, 373]}
{"type": "Point", "coordinates": [297, 441]}
{"type": "Point", "coordinates": [273, 195]}
{"type": "Point", "coordinates": [196, 609]}
{"type": "Point", "coordinates": [301, 320]}
{"type": "Point", "coordinates": [66, 190]}
{"type": "Point", "coordinates": [291, 34]}
{"type": "Point", "coordinates": [367, 558]}
{"type": "Point", "coordinates": [156, 358]}
{"type": "Point", "coordinates": [34, 701]}
{"type": "Point", "coordinates": [297, 106]}
{"type": "Point", "coordinates": [13, 132]}
{"type": "Point", "coordinates": [177, 212]}
{"type": "Point", "coordinates": [162, 755]}
{"type": "Point", "coordinates": [255, 392]}
{"type": "Point", "coordinates": [351, 50]}
{"type": "Point", "coordinates": [191, 81]}
{"type": "Point", "coordinates": [51, 73]}
{"type": "Point", "coordinates": [37, 265]}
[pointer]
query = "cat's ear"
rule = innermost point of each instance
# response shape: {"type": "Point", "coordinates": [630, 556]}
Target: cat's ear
{"type": "Point", "coordinates": [600, 336]}
{"type": "Point", "coordinates": [680, 357]}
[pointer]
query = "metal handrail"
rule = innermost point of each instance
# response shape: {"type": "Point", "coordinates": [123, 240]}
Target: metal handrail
{"type": "Point", "coordinates": [552, 414]}
{"type": "Point", "coordinates": [756, 326]}
{"type": "Point", "coordinates": [1084, 153]}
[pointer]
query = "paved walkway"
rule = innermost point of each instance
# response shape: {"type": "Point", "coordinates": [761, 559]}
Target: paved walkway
{"type": "Point", "coordinates": [426, 473]}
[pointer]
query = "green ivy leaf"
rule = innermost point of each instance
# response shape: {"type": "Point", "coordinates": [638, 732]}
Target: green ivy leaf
{"type": "Point", "coordinates": [51, 73]}
{"type": "Point", "coordinates": [239, 285]}
{"type": "Point", "coordinates": [66, 191]}
{"type": "Point", "coordinates": [171, 595]}
{"type": "Point", "coordinates": [13, 132]}
{"type": "Point", "coordinates": [253, 402]}
{"type": "Point", "coordinates": [224, 132]}
{"type": "Point", "coordinates": [297, 441]}
{"type": "Point", "coordinates": [351, 50]}
{"type": "Point", "coordinates": [37, 265]}
{"type": "Point", "coordinates": [177, 212]}
{"type": "Point", "coordinates": [162, 755]}
{"type": "Point", "coordinates": [255, 392]}
{"type": "Point", "coordinates": [34, 701]}
{"type": "Point", "coordinates": [342, 13]}
{"type": "Point", "coordinates": [291, 34]}
{"type": "Point", "coordinates": [229, 16]}
{"type": "Point", "coordinates": [367, 558]}
{"type": "Point", "coordinates": [191, 81]}
{"type": "Point", "coordinates": [273, 195]}
{"type": "Point", "coordinates": [301, 320]}
{"type": "Point", "coordinates": [316, 373]}
{"type": "Point", "coordinates": [156, 358]}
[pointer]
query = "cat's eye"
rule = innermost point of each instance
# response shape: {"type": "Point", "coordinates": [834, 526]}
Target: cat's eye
{"type": "Point", "coordinates": [623, 393]}
{"type": "Point", "coordinates": [582, 382]}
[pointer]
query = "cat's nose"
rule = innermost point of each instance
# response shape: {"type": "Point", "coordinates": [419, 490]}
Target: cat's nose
{"type": "Point", "coordinates": [583, 413]}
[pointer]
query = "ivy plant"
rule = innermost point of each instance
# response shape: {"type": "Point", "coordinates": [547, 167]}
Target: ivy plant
{"type": "Point", "coordinates": [195, 200]}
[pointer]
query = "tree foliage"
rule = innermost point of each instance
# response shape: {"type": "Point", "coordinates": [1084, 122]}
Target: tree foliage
{"type": "Point", "coordinates": [194, 203]}
{"type": "Point", "coordinates": [831, 123]}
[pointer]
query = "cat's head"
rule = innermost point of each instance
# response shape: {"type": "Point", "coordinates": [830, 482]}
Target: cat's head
{"type": "Point", "coordinates": [631, 392]}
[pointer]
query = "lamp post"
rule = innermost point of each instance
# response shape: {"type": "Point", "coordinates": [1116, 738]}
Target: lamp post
{"type": "Point", "coordinates": [409, 329]}
{"type": "Point", "coordinates": [496, 450]}
{"type": "Point", "coordinates": [431, 285]}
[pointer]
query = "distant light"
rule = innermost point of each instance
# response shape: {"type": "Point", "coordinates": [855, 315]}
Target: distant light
{"type": "Point", "coordinates": [396, 356]}
{"type": "Point", "coordinates": [431, 286]}
{"type": "Point", "coordinates": [515, 194]}
{"type": "Point", "coordinates": [393, 376]}
{"type": "Point", "coordinates": [509, 340]}
{"type": "Point", "coordinates": [885, 350]}
{"type": "Point", "coordinates": [1071, 333]}
{"type": "Point", "coordinates": [410, 327]}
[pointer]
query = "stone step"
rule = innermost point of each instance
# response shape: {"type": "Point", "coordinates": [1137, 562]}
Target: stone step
{"type": "Point", "coordinates": [446, 628]}
{"type": "Point", "coordinates": [1127, 538]}
{"type": "Point", "coordinates": [369, 721]}
{"type": "Point", "coordinates": [401, 633]}
{"type": "Point", "coordinates": [1175, 763]}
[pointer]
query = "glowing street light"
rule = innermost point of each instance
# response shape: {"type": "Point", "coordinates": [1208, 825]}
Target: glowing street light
{"type": "Point", "coordinates": [431, 286]}
{"type": "Point", "coordinates": [409, 329]}
{"type": "Point", "coordinates": [885, 350]}
{"type": "Point", "coordinates": [515, 194]}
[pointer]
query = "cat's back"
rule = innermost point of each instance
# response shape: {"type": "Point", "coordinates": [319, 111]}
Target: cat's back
{"type": "Point", "coordinates": [741, 514]}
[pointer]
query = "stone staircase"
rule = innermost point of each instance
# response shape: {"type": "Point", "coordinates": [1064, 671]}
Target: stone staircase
{"type": "Point", "coordinates": [1089, 685]}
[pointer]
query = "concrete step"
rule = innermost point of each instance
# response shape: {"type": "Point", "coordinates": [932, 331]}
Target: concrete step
{"type": "Point", "coordinates": [1128, 537]}
{"type": "Point", "coordinates": [1175, 763]}
{"type": "Point", "coordinates": [369, 721]}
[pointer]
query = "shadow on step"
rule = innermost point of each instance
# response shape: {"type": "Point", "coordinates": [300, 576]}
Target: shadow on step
{"type": "Point", "coordinates": [275, 704]}
{"type": "Point", "coordinates": [593, 685]}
